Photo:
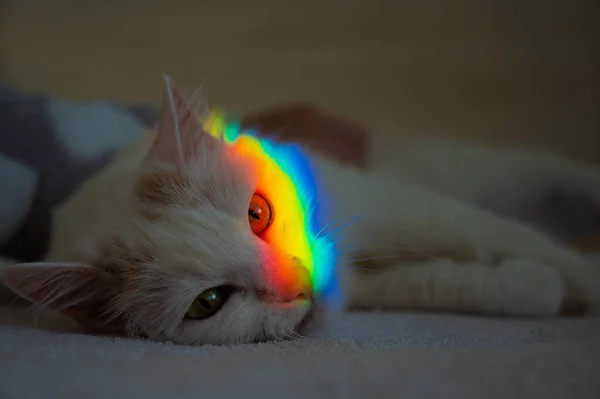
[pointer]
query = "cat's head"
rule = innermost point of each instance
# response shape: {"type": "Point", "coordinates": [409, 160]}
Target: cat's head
{"type": "Point", "coordinates": [217, 244]}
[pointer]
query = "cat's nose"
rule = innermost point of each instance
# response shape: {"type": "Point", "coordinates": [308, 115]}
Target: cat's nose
{"type": "Point", "coordinates": [286, 280]}
{"type": "Point", "coordinates": [298, 286]}
{"type": "Point", "coordinates": [298, 291]}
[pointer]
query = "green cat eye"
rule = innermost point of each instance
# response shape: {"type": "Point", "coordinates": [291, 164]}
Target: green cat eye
{"type": "Point", "coordinates": [208, 303]}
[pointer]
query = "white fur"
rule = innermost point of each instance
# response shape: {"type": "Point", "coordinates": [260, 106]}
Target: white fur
{"type": "Point", "coordinates": [406, 245]}
{"type": "Point", "coordinates": [511, 181]}
{"type": "Point", "coordinates": [405, 219]}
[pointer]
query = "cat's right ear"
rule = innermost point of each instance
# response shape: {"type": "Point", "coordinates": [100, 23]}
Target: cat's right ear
{"type": "Point", "coordinates": [180, 134]}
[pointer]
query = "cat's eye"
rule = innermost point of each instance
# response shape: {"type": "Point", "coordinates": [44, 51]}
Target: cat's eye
{"type": "Point", "coordinates": [259, 214]}
{"type": "Point", "coordinates": [208, 303]}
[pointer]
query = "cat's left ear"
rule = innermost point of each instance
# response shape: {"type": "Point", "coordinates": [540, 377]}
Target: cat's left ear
{"type": "Point", "coordinates": [180, 134]}
{"type": "Point", "coordinates": [77, 290]}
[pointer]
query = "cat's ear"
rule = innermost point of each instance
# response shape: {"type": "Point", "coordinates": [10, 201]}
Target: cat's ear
{"type": "Point", "coordinates": [77, 290]}
{"type": "Point", "coordinates": [180, 133]}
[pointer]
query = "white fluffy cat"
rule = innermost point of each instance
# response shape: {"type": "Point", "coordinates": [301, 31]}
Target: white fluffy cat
{"type": "Point", "coordinates": [159, 244]}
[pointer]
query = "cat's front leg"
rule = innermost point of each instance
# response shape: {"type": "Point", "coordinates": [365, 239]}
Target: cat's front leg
{"type": "Point", "coordinates": [519, 287]}
{"type": "Point", "coordinates": [400, 224]}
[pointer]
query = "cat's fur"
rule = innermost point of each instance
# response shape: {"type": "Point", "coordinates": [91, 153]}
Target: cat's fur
{"type": "Point", "coordinates": [162, 224]}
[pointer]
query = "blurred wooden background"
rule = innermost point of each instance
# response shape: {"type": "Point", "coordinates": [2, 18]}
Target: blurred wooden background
{"type": "Point", "coordinates": [510, 70]}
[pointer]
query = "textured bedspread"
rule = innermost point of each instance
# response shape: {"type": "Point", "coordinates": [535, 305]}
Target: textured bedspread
{"type": "Point", "coordinates": [357, 356]}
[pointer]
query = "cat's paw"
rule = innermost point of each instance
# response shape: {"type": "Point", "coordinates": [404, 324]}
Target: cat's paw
{"type": "Point", "coordinates": [590, 296]}
{"type": "Point", "coordinates": [531, 289]}
{"type": "Point", "coordinates": [583, 286]}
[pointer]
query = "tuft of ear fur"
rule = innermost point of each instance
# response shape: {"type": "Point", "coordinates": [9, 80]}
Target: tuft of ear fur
{"type": "Point", "coordinates": [180, 133]}
{"type": "Point", "coordinates": [80, 291]}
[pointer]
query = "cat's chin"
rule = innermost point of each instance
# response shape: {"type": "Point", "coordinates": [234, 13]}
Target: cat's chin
{"type": "Point", "coordinates": [312, 320]}
{"type": "Point", "coordinates": [320, 312]}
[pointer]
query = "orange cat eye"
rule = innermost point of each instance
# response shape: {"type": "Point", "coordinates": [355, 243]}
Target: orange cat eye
{"type": "Point", "coordinates": [259, 214]}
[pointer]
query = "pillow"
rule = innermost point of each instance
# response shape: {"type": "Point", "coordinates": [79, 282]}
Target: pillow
{"type": "Point", "coordinates": [48, 146]}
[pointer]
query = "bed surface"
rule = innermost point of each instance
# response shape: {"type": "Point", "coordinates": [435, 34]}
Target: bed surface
{"type": "Point", "coordinates": [356, 355]}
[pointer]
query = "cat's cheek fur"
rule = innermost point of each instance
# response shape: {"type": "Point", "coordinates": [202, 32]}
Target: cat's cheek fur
{"type": "Point", "coordinates": [243, 319]}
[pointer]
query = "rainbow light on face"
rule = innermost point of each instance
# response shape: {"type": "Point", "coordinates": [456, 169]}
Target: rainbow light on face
{"type": "Point", "coordinates": [288, 181]}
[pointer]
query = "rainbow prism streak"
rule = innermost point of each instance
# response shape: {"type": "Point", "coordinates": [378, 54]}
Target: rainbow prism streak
{"type": "Point", "coordinates": [288, 176]}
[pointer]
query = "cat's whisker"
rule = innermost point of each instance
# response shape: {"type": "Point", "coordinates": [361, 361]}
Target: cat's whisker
{"type": "Point", "coordinates": [294, 335]}
{"type": "Point", "coordinates": [402, 247]}
{"type": "Point", "coordinates": [336, 221]}
{"type": "Point", "coordinates": [342, 228]}
{"type": "Point", "coordinates": [381, 258]}
{"type": "Point", "coordinates": [397, 251]}
{"type": "Point", "coordinates": [280, 336]}
{"type": "Point", "coordinates": [418, 251]}
{"type": "Point", "coordinates": [373, 255]}
{"type": "Point", "coordinates": [367, 269]}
